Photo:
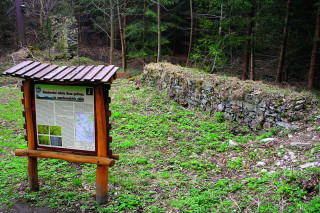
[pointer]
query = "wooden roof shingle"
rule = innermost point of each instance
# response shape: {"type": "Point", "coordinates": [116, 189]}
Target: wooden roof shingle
{"type": "Point", "coordinates": [46, 72]}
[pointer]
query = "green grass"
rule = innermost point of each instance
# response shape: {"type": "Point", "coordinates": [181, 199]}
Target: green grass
{"type": "Point", "coordinates": [171, 159]}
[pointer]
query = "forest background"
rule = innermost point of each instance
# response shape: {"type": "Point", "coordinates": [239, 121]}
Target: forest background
{"type": "Point", "coordinates": [271, 40]}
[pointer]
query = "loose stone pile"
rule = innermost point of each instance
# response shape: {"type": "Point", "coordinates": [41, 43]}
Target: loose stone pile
{"type": "Point", "coordinates": [253, 104]}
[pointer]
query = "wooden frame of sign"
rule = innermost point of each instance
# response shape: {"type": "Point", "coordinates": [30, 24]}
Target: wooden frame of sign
{"type": "Point", "coordinates": [94, 77]}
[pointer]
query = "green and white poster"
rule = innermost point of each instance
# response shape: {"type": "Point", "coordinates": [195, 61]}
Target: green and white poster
{"type": "Point", "coordinates": [65, 116]}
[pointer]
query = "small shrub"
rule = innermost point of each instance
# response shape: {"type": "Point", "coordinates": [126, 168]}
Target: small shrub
{"type": "Point", "coordinates": [219, 117]}
{"type": "Point", "coordinates": [141, 161]}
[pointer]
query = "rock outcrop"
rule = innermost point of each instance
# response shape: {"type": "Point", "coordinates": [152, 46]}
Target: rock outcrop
{"type": "Point", "coordinates": [64, 36]}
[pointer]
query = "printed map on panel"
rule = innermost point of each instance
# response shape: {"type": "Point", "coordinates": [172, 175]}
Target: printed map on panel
{"type": "Point", "coordinates": [84, 126]}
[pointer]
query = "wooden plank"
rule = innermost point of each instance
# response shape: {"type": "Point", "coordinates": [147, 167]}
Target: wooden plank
{"type": "Point", "coordinates": [108, 100]}
{"type": "Point", "coordinates": [73, 73]}
{"type": "Point", "coordinates": [63, 74]}
{"type": "Point", "coordinates": [102, 184]}
{"type": "Point", "coordinates": [109, 139]}
{"type": "Point", "coordinates": [32, 162]}
{"type": "Point", "coordinates": [102, 171]}
{"type": "Point", "coordinates": [109, 152]}
{"type": "Point", "coordinates": [101, 121]}
{"type": "Point", "coordinates": [26, 69]}
{"type": "Point", "coordinates": [109, 126]}
{"type": "Point", "coordinates": [66, 156]}
{"type": "Point", "coordinates": [92, 73]}
{"type": "Point", "coordinates": [75, 152]}
{"type": "Point", "coordinates": [108, 113]}
{"type": "Point", "coordinates": [114, 156]}
{"type": "Point", "coordinates": [110, 74]}
{"type": "Point", "coordinates": [53, 73]}
{"type": "Point", "coordinates": [107, 87]}
{"type": "Point", "coordinates": [102, 73]}
{"type": "Point", "coordinates": [110, 81]}
{"type": "Point", "coordinates": [42, 73]}
{"type": "Point", "coordinates": [83, 72]}
{"type": "Point", "coordinates": [17, 67]}
{"type": "Point", "coordinates": [22, 72]}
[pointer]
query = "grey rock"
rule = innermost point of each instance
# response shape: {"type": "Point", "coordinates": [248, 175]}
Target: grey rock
{"type": "Point", "coordinates": [261, 163]}
{"type": "Point", "coordinates": [307, 165]}
{"type": "Point", "coordinates": [268, 139]}
{"type": "Point", "coordinates": [291, 153]}
{"type": "Point", "coordinates": [177, 88]}
{"type": "Point", "coordinates": [279, 163]}
{"type": "Point", "coordinates": [300, 102]}
{"type": "Point", "coordinates": [300, 144]}
{"type": "Point", "coordinates": [204, 101]}
{"type": "Point", "coordinates": [232, 143]}
{"type": "Point", "coordinates": [286, 125]}
{"type": "Point", "coordinates": [286, 157]}
{"type": "Point", "coordinates": [248, 106]}
{"type": "Point", "coordinates": [311, 128]}
{"type": "Point", "coordinates": [220, 107]}
{"type": "Point", "coordinates": [207, 87]}
{"type": "Point", "coordinates": [262, 104]}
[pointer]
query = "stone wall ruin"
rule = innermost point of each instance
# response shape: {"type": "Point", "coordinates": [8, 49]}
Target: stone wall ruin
{"type": "Point", "coordinates": [249, 103]}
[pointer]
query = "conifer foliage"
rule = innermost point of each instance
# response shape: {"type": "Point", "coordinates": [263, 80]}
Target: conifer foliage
{"type": "Point", "coordinates": [256, 39]}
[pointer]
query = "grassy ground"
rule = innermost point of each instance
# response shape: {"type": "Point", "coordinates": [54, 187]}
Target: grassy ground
{"type": "Point", "coordinates": [171, 160]}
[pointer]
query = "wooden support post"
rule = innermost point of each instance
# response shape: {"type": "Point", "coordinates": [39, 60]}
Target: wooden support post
{"type": "Point", "coordinates": [102, 171]}
{"type": "Point", "coordinates": [32, 161]}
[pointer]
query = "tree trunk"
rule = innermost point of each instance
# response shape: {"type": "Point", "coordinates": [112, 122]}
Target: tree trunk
{"type": "Point", "coordinates": [284, 43]}
{"type": "Point", "coordinates": [111, 32]}
{"type": "Point", "coordinates": [40, 15]}
{"type": "Point", "coordinates": [20, 23]}
{"type": "Point", "coordinates": [220, 29]}
{"type": "Point", "coordinates": [79, 27]}
{"type": "Point", "coordinates": [314, 52]}
{"type": "Point", "coordinates": [286, 73]}
{"type": "Point", "coordinates": [124, 35]}
{"type": "Point", "coordinates": [252, 40]}
{"type": "Point", "coordinates": [159, 32]}
{"type": "Point", "coordinates": [247, 45]}
{"type": "Point", "coordinates": [144, 28]}
{"type": "Point", "coordinates": [191, 32]}
{"type": "Point", "coordinates": [252, 63]}
{"type": "Point", "coordinates": [121, 38]}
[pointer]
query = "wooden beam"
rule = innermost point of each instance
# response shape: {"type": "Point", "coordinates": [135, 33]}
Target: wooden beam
{"type": "Point", "coordinates": [102, 171]}
{"type": "Point", "coordinates": [32, 161]}
{"type": "Point", "coordinates": [114, 156]}
{"type": "Point", "coordinates": [65, 156]}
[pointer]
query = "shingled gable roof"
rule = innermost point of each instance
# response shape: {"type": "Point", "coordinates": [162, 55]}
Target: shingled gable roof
{"type": "Point", "coordinates": [54, 73]}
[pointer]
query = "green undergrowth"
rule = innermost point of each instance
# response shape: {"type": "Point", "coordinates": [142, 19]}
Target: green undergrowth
{"type": "Point", "coordinates": [172, 159]}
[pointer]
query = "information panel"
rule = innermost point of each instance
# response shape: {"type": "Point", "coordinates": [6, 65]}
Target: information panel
{"type": "Point", "coordinates": [65, 116]}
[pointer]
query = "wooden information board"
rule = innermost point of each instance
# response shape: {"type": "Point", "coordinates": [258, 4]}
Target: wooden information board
{"type": "Point", "coordinates": [67, 117]}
